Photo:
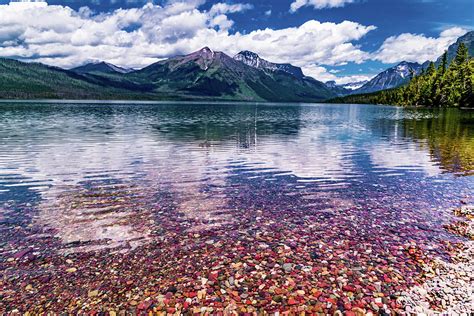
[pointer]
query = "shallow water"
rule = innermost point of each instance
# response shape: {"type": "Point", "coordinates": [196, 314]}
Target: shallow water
{"type": "Point", "coordinates": [79, 178]}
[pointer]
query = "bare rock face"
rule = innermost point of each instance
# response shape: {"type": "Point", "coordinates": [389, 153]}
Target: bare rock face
{"type": "Point", "coordinates": [391, 78]}
{"type": "Point", "coordinates": [254, 60]}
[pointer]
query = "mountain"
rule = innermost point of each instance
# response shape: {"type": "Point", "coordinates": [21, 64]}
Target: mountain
{"type": "Point", "coordinates": [100, 67]}
{"type": "Point", "coordinates": [345, 89]}
{"type": "Point", "coordinates": [208, 74]}
{"type": "Point", "coordinates": [254, 60]}
{"type": "Point", "coordinates": [354, 85]}
{"type": "Point", "coordinates": [337, 89]}
{"type": "Point", "coordinates": [390, 78]}
{"type": "Point", "coordinates": [202, 75]}
{"type": "Point", "coordinates": [33, 80]}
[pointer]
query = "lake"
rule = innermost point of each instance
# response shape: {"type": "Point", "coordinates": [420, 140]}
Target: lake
{"type": "Point", "coordinates": [234, 207]}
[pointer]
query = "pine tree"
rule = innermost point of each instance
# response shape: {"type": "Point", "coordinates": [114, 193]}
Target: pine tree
{"type": "Point", "coordinates": [431, 69]}
{"type": "Point", "coordinates": [462, 55]}
{"type": "Point", "coordinates": [444, 64]}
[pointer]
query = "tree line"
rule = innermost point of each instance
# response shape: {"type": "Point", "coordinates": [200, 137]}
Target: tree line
{"type": "Point", "coordinates": [448, 85]}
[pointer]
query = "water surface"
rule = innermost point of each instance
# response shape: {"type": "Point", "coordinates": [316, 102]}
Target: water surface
{"type": "Point", "coordinates": [346, 182]}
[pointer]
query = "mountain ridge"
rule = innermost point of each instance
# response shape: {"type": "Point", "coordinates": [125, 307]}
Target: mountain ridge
{"type": "Point", "coordinates": [216, 74]}
{"type": "Point", "coordinates": [201, 75]}
{"type": "Point", "coordinates": [254, 60]}
{"type": "Point", "coordinates": [100, 67]}
{"type": "Point", "coordinates": [390, 78]}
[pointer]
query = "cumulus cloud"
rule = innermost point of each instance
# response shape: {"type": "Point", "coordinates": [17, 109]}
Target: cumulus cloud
{"type": "Point", "coordinates": [318, 4]}
{"type": "Point", "coordinates": [137, 37]}
{"type": "Point", "coordinates": [417, 47]}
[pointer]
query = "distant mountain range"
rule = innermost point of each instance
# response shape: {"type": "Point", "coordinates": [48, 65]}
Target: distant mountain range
{"type": "Point", "coordinates": [391, 78]}
{"type": "Point", "coordinates": [388, 79]}
{"type": "Point", "coordinates": [346, 88]}
{"type": "Point", "coordinates": [202, 75]}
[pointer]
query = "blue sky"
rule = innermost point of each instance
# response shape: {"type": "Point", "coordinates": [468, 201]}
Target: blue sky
{"type": "Point", "coordinates": [342, 40]}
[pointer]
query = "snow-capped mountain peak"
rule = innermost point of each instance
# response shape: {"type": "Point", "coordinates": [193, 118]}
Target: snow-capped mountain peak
{"type": "Point", "coordinates": [391, 78]}
{"type": "Point", "coordinates": [250, 58]}
{"type": "Point", "coordinates": [254, 60]}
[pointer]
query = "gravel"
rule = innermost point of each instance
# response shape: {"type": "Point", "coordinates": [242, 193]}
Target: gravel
{"type": "Point", "coordinates": [451, 290]}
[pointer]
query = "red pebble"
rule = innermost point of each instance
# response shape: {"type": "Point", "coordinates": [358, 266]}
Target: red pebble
{"type": "Point", "coordinates": [144, 305]}
{"type": "Point", "coordinates": [213, 276]}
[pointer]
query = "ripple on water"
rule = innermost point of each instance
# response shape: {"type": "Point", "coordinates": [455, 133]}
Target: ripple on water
{"type": "Point", "coordinates": [353, 184]}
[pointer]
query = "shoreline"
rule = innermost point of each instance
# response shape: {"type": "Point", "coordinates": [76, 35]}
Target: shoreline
{"type": "Point", "coordinates": [450, 290]}
{"type": "Point", "coordinates": [209, 102]}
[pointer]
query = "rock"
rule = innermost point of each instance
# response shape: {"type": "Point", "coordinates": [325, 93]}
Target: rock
{"type": "Point", "coordinates": [288, 267]}
{"type": "Point", "coordinates": [20, 254]}
{"type": "Point", "coordinates": [93, 293]}
{"type": "Point", "coordinates": [213, 276]}
{"type": "Point", "coordinates": [71, 270]}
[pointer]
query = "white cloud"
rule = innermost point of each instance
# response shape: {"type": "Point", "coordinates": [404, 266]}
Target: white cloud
{"type": "Point", "coordinates": [137, 37]}
{"type": "Point", "coordinates": [311, 43]}
{"type": "Point", "coordinates": [223, 8]}
{"type": "Point", "coordinates": [322, 74]}
{"type": "Point", "coordinates": [417, 47]}
{"type": "Point", "coordinates": [318, 4]}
